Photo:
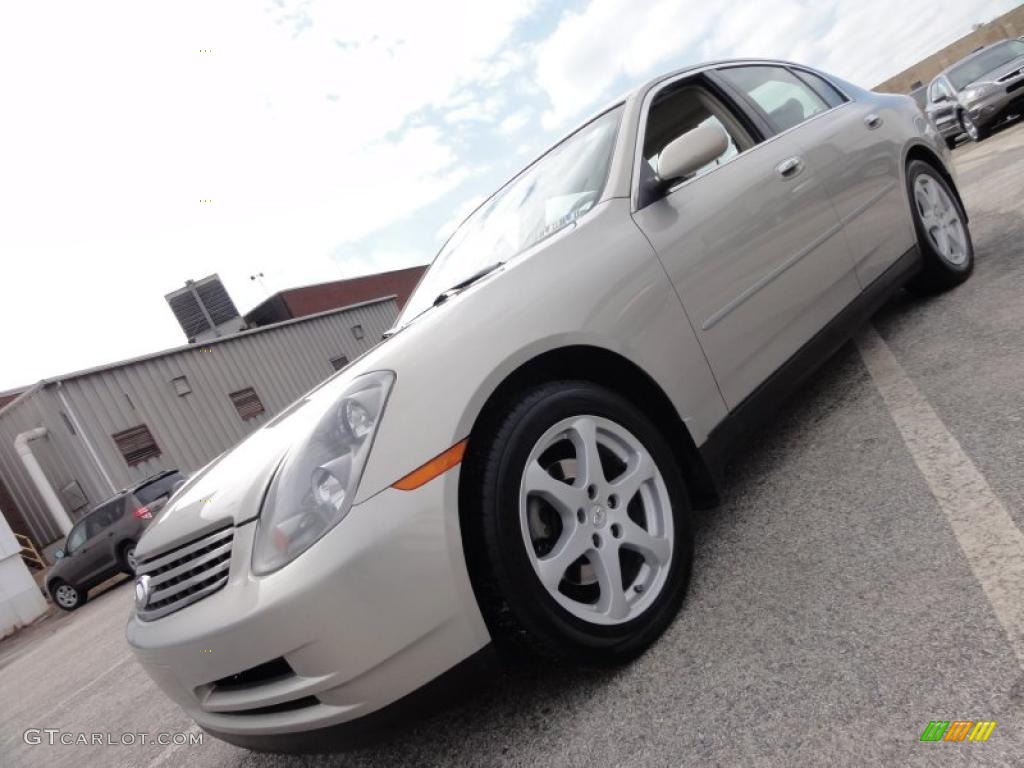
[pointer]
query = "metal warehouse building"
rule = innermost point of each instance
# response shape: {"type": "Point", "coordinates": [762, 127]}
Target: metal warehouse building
{"type": "Point", "coordinates": [69, 442]}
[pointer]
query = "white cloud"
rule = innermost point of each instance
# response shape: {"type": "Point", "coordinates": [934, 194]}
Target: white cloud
{"type": "Point", "coordinates": [516, 121]}
{"type": "Point", "coordinates": [117, 126]}
{"type": "Point", "coordinates": [866, 41]}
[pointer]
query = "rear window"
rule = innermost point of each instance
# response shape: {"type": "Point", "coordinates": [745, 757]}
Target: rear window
{"type": "Point", "coordinates": [160, 487]}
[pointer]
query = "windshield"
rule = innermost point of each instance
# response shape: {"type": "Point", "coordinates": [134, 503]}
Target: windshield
{"type": "Point", "coordinates": [985, 62]}
{"type": "Point", "coordinates": [548, 196]}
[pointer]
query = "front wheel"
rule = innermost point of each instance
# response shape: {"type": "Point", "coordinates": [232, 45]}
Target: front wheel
{"type": "Point", "coordinates": [942, 234]}
{"type": "Point", "coordinates": [974, 131]}
{"type": "Point", "coordinates": [584, 523]}
{"type": "Point", "coordinates": [66, 597]}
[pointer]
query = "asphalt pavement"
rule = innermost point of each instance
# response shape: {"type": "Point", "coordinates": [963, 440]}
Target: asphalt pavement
{"type": "Point", "coordinates": [836, 607]}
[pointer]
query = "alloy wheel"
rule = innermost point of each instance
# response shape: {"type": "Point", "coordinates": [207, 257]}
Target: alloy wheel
{"type": "Point", "coordinates": [66, 596]}
{"type": "Point", "coordinates": [969, 126]}
{"type": "Point", "coordinates": [596, 520]}
{"type": "Point", "coordinates": [130, 558]}
{"type": "Point", "coordinates": [940, 217]}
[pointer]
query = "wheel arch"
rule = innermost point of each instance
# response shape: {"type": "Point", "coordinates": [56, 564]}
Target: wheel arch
{"type": "Point", "coordinates": [928, 155]}
{"type": "Point", "coordinates": [612, 370]}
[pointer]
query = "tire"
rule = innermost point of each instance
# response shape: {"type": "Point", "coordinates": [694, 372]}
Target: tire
{"type": "Point", "coordinates": [65, 596]}
{"type": "Point", "coordinates": [508, 512]}
{"type": "Point", "coordinates": [126, 558]}
{"type": "Point", "coordinates": [974, 131]}
{"type": "Point", "coordinates": [943, 236]}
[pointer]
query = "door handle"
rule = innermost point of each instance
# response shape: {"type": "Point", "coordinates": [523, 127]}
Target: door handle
{"type": "Point", "coordinates": [872, 121]}
{"type": "Point", "coordinates": [790, 167]}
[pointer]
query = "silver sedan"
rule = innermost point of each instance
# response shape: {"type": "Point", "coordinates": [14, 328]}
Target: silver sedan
{"type": "Point", "coordinates": [517, 464]}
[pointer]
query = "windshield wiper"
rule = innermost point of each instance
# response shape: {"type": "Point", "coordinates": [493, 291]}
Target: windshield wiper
{"type": "Point", "coordinates": [443, 297]}
{"type": "Point", "coordinates": [463, 284]}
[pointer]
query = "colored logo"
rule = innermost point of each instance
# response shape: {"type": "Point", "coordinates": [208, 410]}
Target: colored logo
{"type": "Point", "coordinates": [958, 730]}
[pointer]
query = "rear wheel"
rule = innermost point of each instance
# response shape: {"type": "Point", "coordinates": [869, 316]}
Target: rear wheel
{"type": "Point", "coordinates": [126, 555]}
{"type": "Point", "coordinates": [66, 596]}
{"type": "Point", "coordinates": [942, 234]}
{"type": "Point", "coordinates": [584, 523]}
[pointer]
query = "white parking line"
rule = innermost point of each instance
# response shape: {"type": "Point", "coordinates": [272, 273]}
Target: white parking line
{"type": "Point", "coordinates": [994, 546]}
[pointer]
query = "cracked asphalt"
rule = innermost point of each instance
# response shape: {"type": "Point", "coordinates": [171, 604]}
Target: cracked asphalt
{"type": "Point", "coordinates": [832, 614]}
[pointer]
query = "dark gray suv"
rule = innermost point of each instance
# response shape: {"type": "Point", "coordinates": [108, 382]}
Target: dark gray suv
{"type": "Point", "coordinates": [102, 543]}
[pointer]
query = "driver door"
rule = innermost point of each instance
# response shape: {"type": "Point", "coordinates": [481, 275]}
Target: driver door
{"type": "Point", "coordinates": [751, 242]}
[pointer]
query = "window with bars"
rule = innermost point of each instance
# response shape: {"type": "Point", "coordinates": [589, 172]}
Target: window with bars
{"type": "Point", "coordinates": [247, 403]}
{"type": "Point", "coordinates": [136, 445]}
{"type": "Point", "coordinates": [339, 362]}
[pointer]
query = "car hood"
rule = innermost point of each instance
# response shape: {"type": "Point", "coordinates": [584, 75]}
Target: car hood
{"type": "Point", "coordinates": [1007, 70]}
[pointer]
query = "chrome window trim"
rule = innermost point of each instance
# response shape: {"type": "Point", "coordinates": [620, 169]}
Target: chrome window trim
{"type": "Point", "coordinates": [661, 86]}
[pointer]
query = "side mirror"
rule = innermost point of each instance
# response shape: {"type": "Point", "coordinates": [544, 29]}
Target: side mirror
{"type": "Point", "coordinates": [59, 554]}
{"type": "Point", "coordinates": [692, 151]}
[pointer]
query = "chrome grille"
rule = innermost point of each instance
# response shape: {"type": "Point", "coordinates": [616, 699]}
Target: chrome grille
{"type": "Point", "coordinates": [186, 574]}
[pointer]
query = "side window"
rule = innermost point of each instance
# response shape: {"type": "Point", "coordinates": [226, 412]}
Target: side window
{"type": "Point", "coordinates": [77, 537]}
{"type": "Point", "coordinates": [95, 523]}
{"type": "Point", "coordinates": [786, 100]}
{"type": "Point", "coordinates": [828, 92]}
{"type": "Point", "coordinates": [677, 110]}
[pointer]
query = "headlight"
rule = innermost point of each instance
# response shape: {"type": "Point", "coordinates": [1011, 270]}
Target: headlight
{"type": "Point", "coordinates": [313, 488]}
{"type": "Point", "coordinates": [976, 93]}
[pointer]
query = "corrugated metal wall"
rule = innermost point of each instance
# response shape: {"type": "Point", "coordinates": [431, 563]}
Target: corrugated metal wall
{"type": "Point", "coordinates": [279, 362]}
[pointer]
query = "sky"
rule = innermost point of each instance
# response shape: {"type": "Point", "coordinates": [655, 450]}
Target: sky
{"type": "Point", "coordinates": [143, 144]}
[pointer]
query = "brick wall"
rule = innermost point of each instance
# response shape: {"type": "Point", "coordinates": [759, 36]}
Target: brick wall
{"type": "Point", "coordinates": [1008, 25]}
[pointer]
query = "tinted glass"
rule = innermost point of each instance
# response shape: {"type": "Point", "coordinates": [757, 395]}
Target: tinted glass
{"type": "Point", "coordinates": [106, 513]}
{"type": "Point", "coordinates": [549, 195]}
{"type": "Point", "coordinates": [986, 61]}
{"type": "Point", "coordinates": [681, 110]}
{"type": "Point", "coordinates": [828, 92]}
{"type": "Point", "coordinates": [77, 537]}
{"type": "Point", "coordinates": [786, 100]}
{"type": "Point", "coordinates": [157, 488]}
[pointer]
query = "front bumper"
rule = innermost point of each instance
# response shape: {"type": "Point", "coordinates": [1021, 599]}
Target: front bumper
{"type": "Point", "coordinates": [378, 608]}
{"type": "Point", "coordinates": [994, 107]}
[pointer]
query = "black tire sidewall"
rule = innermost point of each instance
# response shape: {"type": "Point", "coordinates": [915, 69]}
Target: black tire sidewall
{"type": "Point", "coordinates": [937, 271]}
{"type": "Point", "coordinates": [534, 609]}
{"type": "Point", "coordinates": [122, 556]}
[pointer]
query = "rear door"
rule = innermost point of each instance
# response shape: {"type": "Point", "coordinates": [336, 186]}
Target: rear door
{"type": "Point", "coordinates": [752, 242]}
{"type": "Point", "coordinates": [854, 146]}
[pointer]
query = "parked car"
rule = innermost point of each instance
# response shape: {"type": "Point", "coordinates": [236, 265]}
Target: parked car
{"type": "Point", "coordinates": [978, 92]}
{"type": "Point", "coordinates": [517, 463]}
{"type": "Point", "coordinates": [100, 545]}
{"type": "Point", "coordinates": [154, 491]}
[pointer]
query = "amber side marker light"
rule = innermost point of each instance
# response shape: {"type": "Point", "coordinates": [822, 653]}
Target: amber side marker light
{"type": "Point", "coordinates": [436, 466]}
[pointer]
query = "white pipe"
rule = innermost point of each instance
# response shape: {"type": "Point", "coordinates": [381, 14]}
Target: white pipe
{"type": "Point", "coordinates": [39, 477]}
